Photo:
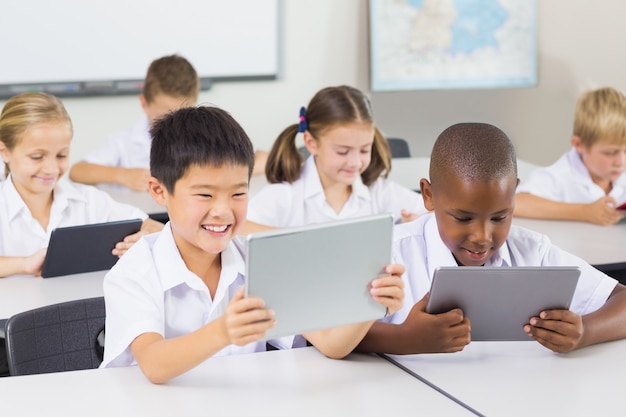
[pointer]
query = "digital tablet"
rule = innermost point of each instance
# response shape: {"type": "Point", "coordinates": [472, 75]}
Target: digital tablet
{"type": "Point", "coordinates": [318, 276]}
{"type": "Point", "coordinates": [499, 301]}
{"type": "Point", "coordinates": [85, 248]}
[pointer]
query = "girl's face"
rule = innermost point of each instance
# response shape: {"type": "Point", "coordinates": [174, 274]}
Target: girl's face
{"type": "Point", "coordinates": [342, 153]}
{"type": "Point", "coordinates": [40, 157]}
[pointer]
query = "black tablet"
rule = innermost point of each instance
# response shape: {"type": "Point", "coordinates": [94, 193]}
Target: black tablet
{"type": "Point", "coordinates": [86, 248]}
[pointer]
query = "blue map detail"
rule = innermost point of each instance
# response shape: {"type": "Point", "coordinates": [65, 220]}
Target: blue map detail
{"type": "Point", "coordinates": [475, 25]}
{"type": "Point", "coordinates": [416, 3]}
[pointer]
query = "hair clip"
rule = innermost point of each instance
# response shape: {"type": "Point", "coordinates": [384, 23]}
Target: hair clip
{"type": "Point", "coordinates": [302, 125]}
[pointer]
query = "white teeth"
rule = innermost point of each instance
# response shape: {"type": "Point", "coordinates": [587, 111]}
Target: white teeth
{"type": "Point", "coordinates": [217, 229]}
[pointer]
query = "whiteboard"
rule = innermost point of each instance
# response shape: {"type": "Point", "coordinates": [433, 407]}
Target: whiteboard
{"type": "Point", "coordinates": [71, 47]}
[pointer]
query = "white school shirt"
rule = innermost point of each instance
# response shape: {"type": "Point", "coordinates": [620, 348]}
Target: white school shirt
{"type": "Point", "coordinates": [129, 148]}
{"type": "Point", "coordinates": [73, 205]}
{"type": "Point", "coordinates": [418, 246]}
{"type": "Point", "coordinates": [303, 202]}
{"type": "Point", "coordinates": [569, 181]}
{"type": "Point", "coordinates": [151, 290]}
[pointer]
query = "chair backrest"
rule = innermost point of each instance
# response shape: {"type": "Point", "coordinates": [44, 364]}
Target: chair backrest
{"type": "Point", "coordinates": [399, 148]}
{"type": "Point", "coordinates": [60, 337]}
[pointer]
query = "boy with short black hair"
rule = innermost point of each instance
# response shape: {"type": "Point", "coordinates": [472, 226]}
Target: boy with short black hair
{"type": "Point", "coordinates": [473, 176]}
{"type": "Point", "coordinates": [177, 298]}
{"type": "Point", "coordinates": [589, 181]}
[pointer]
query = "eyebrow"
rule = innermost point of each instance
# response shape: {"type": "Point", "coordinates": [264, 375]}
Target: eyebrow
{"type": "Point", "coordinates": [212, 187]}
{"type": "Point", "coordinates": [465, 212]}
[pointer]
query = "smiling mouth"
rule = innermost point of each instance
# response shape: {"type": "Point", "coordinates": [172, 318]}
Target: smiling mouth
{"type": "Point", "coordinates": [216, 229]}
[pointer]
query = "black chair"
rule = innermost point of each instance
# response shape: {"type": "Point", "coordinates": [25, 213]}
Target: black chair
{"type": "Point", "coordinates": [62, 337]}
{"type": "Point", "coordinates": [399, 148]}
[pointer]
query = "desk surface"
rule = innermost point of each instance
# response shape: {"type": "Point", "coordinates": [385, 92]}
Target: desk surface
{"type": "Point", "coordinates": [526, 379]}
{"type": "Point", "coordinates": [297, 382]}
{"type": "Point", "coordinates": [598, 245]}
{"type": "Point", "coordinates": [21, 293]}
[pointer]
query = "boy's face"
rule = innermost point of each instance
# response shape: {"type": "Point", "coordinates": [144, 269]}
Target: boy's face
{"type": "Point", "coordinates": [604, 161]}
{"type": "Point", "coordinates": [342, 153]}
{"type": "Point", "coordinates": [473, 217]}
{"type": "Point", "coordinates": [40, 157]}
{"type": "Point", "coordinates": [206, 209]}
{"type": "Point", "coordinates": [163, 104]}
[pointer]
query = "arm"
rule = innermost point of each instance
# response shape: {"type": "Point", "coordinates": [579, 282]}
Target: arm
{"type": "Point", "coordinates": [601, 211]}
{"type": "Point", "coordinates": [260, 159]}
{"type": "Point", "coordinates": [338, 342]}
{"type": "Point", "coordinates": [419, 333]}
{"type": "Point", "coordinates": [244, 321]}
{"type": "Point", "coordinates": [17, 265]}
{"type": "Point", "coordinates": [87, 173]}
{"type": "Point", "coordinates": [563, 330]}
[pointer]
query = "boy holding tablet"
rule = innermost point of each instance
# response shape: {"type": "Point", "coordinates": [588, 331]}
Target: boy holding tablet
{"type": "Point", "coordinates": [178, 298]}
{"type": "Point", "coordinates": [473, 176]}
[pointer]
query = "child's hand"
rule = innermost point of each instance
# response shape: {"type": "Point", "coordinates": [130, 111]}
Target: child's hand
{"type": "Point", "coordinates": [559, 330]}
{"type": "Point", "coordinates": [603, 211]}
{"type": "Point", "coordinates": [34, 262]}
{"type": "Point", "coordinates": [389, 290]}
{"type": "Point", "coordinates": [436, 333]}
{"type": "Point", "coordinates": [246, 320]}
{"type": "Point", "coordinates": [407, 216]}
{"type": "Point", "coordinates": [136, 179]}
{"type": "Point", "coordinates": [149, 226]}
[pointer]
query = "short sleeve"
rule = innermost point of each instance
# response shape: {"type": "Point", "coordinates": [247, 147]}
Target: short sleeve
{"type": "Point", "coordinates": [272, 205]}
{"type": "Point", "coordinates": [392, 197]}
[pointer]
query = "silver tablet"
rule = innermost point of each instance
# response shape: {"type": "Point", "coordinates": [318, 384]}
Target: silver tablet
{"type": "Point", "coordinates": [85, 248]}
{"type": "Point", "coordinates": [499, 301]}
{"type": "Point", "coordinates": [318, 276]}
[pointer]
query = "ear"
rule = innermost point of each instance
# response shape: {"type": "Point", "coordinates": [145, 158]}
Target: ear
{"type": "Point", "coordinates": [310, 142]}
{"type": "Point", "coordinates": [144, 103]}
{"type": "Point", "coordinates": [4, 152]}
{"type": "Point", "coordinates": [577, 143]}
{"type": "Point", "coordinates": [427, 194]}
{"type": "Point", "coordinates": [158, 191]}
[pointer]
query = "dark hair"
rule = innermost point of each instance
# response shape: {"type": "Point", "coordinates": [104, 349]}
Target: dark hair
{"type": "Point", "coordinates": [173, 76]}
{"type": "Point", "coordinates": [473, 152]}
{"type": "Point", "coordinates": [197, 136]}
{"type": "Point", "coordinates": [329, 108]}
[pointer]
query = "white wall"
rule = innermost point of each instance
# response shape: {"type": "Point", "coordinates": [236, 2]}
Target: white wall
{"type": "Point", "coordinates": [325, 43]}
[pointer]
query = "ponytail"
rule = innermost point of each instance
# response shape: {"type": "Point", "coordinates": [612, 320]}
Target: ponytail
{"type": "Point", "coordinates": [284, 163]}
{"type": "Point", "coordinates": [380, 163]}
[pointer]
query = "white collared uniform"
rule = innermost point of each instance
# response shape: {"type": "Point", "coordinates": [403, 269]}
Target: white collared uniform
{"type": "Point", "coordinates": [151, 290]}
{"type": "Point", "coordinates": [303, 202]}
{"type": "Point", "coordinates": [73, 205]}
{"type": "Point", "coordinates": [418, 246]}
{"type": "Point", "coordinates": [568, 181]}
{"type": "Point", "coordinates": [129, 148]}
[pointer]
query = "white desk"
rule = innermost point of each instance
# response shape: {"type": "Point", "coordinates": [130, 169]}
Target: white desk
{"type": "Point", "coordinates": [21, 293]}
{"type": "Point", "coordinates": [297, 382]}
{"type": "Point", "coordinates": [526, 379]}
{"type": "Point", "coordinates": [598, 245]}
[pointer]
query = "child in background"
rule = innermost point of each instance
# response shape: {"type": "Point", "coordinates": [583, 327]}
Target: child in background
{"type": "Point", "coordinates": [588, 182]}
{"type": "Point", "coordinates": [473, 176]}
{"type": "Point", "coordinates": [35, 137]}
{"type": "Point", "coordinates": [345, 174]}
{"type": "Point", "coordinates": [176, 298]}
{"type": "Point", "coordinates": [122, 161]}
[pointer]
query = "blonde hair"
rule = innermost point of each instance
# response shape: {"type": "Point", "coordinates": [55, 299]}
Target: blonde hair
{"type": "Point", "coordinates": [172, 76]}
{"type": "Point", "coordinates": [27, 110]}
{"type": "Point", "coordinates": [329, 108]}
{"type": "Point", "coordinates": [600, 116]}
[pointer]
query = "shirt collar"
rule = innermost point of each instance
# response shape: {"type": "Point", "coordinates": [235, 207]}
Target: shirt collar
{"type": "Point", "coordinates": [173, 271]}
{"type": "Point", "coordinates": [63, 194]}
{"type": "Point", "coordinates": [313, 184]}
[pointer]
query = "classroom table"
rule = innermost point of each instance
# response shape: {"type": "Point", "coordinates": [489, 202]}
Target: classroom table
{"type": "Point", "coordinates": [601, 246]}
{"type": "Point", "coordinates": [297, 382]}
{"type": "Point", "coordinates": [525, 379]}
{"type": "Point", "coordinates": [22, 293]}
